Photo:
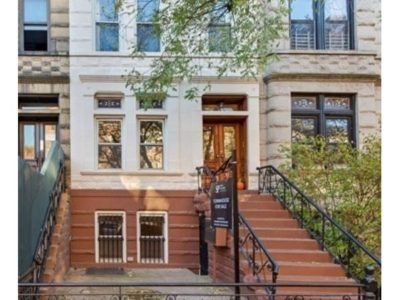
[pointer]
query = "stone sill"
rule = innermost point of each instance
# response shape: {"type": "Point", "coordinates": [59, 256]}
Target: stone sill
{"type": "Point", "coordinates": [327, 52]}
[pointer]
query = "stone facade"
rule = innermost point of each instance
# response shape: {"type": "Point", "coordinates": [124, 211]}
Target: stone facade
{"type": "Point", "coordinates": [356, 72]}
{"type": "Point", "coordinates": [47, 72]}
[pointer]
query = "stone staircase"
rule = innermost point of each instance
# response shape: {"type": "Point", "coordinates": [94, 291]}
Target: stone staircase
{"type": "Point", "coordinates": [299, 256]}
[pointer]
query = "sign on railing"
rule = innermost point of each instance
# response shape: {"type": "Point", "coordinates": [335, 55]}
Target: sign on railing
{"type": "Point", "coordinates": [221, 203]}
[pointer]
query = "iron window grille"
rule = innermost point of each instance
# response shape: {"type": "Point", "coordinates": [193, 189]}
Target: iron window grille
{"type": "Point", "coordinates": [35, 24]}
{"type": "Point", "coordinates": [147, 38]}
{"type": "Point", "coordinates": [107, 26]}
{"type": "Point", "coordinates": [322, 24]}
{"type": "Point", "coordinates": [328, 115]}
{"type": "Point", "coordinates": [110, 237]}
{"type": "Point", "coordinates": [152, 236]}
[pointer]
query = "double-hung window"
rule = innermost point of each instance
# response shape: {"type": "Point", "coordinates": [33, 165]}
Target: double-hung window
{"type": "Point", "coordinates": [331, 116]}
{"type": "Point", "coordinates": [151, 144]}
{"type": "Point", "coordinates": [107, 26]}
{"type": "Point", "coordinates": [35, 25]}
{"type": "Point", "coordinates": [219, 29]}
{"type": "Point", "coordinates": [321, 24]}
{"type": "Point", "coordinates": [109, 144]}
{"type": "Point", "coordinates": [147, 38]}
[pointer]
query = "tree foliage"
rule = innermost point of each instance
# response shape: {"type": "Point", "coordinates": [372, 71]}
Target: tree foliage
{"type": "Point", "coordinates": [345, 181]}
{"type": "Point", "coordinates": [243, 48]}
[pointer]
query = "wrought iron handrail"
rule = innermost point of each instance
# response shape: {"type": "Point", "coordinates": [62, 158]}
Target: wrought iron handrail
{"type": "Point", "coordinates": [170, 290]}
{"type": "Point", "coordinates": [43, 243]}
{"type": "Point", "coordinates": [273, 181]}
{"type": "Point", "coordinates": [256, 245]}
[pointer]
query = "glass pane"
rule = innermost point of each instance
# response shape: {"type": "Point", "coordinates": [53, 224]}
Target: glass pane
{"type": "Point", "coordinates": [337, 103]}
{"type": "Point", "coordinates": [151, 132]}
{"type": "Point", "coordinates": [337, 35]}
{"type": "Point", "coordinates": [335, 10]}
{"type": "Point", "coordinates": [208, 143]}
{"type": "Point", "coordinates": [106, 10]}
{"type": "Point", "coordinates": [151, 157]}
{"type": "Point", "coordinates": [303, 128]}
{"type": "Point", "coordinates": [109, 132]}
{"type": "Point", "coordinates": [35, 11]}
{"type": "Point", "coordinates": [337, 130]}
{"type": "Point", "coordinates": [107, 37]}
{"type": "Point", "coordinates": [35, 40]}
{"type": "Point", "coordinates": [220, 14]}
{"type": "Point", "coordinates": [304, 103]}
{"type": "Point", "coordinates": [147, 39]}
{"type": "Point", "coordinates": [229, 140]}
{"type": "Point", "coordinates": [109, 157]}
{"type": "Point", "coordinates": [219, 38]}
{"type": "Point", "coordinates": [49, 137]}
{"type": "Point", "coordinates": [147, 10]}
{"type": "Point", "coordinates": [29, 142]}
{"type": "Point", "coordinates": [302, 35]}
{"type": "Point", "coordinates": [301, 10]}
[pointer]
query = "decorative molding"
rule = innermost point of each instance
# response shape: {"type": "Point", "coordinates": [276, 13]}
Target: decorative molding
{"type": "Point", "coordinates": [322, 77]}
{"type": "Point", "coordinates": [52, 79]}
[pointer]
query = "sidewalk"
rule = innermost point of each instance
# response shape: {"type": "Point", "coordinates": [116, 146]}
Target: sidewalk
{"type": "Point", "coordinates": [135, 276]}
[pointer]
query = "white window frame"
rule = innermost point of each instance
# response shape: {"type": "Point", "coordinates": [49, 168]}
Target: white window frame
{"type": "Point", "coordinates": [152, 118]}
{"type": "Point", "coordinates": [163, 214]}
{"type": "Point", "coordinates": [37, 27]}
{"type": "Point", "coordinates": [97, 21]}
{"type": "Point", "coordinates": [96, 233]}
{"type": "Point", "coordinates": [108, 118]}
{"type": "Point", "coordinates": [145, 23]}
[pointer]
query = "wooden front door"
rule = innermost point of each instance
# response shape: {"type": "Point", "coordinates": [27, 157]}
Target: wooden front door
{"type": "Point", "coordinates": [219, 139]}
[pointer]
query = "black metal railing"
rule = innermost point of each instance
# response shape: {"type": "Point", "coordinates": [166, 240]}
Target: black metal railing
{"type": "Point", "coordinates": [341, 244]}
{"type": "Point", "coordinates": [188, 290]}
{"type": "Point", "coordinates": [264, 267]}
{"type": "Point", "coordinates": [261, 261]}
{"type": "Point", "coordinates": [43, 244]}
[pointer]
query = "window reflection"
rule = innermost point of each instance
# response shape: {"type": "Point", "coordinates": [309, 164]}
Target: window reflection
{"type": "Point", "coordinates": [151, 144]}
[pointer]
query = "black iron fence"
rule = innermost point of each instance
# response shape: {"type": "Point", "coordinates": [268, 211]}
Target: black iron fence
{"type": "Point", "coordinates": [183, 290]}
{"type": "Point", "coordinates": [341, 244]}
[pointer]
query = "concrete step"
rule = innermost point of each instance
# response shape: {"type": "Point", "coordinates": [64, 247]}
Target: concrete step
{"type": "Point", "coordinates": [265, 213]}
{"type": "Point", "coordinates": [259, 204]}
{"type": "Point", "coordinates": [273, 223]}
{"type": "Point", "coordinates": [308, 269]}
{"type": "Point", "coordinates": [290, 243]}
{"type": "Point", "coordinates": [281, 232]}
{"type": "Point", "coordinates": [296, 255]}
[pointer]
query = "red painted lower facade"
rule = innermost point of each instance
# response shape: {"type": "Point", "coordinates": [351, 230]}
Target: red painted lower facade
{"type": "Point", "coordinates": [182, 225]}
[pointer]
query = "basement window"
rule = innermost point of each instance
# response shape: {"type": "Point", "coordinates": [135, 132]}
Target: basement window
{"type": "Point", "coordinates": [110, 237]}
{"type": "Point", "coordinates": [153, 239]}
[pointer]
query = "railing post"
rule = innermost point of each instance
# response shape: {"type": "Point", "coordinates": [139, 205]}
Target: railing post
{"type": "Point", "coordinates": [323, 234]}
{"type": "Point", "coordinates": [370, 285]}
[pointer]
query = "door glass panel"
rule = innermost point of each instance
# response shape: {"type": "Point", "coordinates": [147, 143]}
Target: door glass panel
{"type": "Point", "coordinates": [229, 140]}
{"type": "Point", "coordinates": [29, 142]}
{"type": "Point", "coordinates": [49, 137]}
{"type": "Point", "coordinates": [208, 143]}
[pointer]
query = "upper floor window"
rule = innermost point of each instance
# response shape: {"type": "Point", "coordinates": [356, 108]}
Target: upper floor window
{"type": "Point", "coordinates": [331, 116]}
{"type": "Point", "coordinates": [35, 25]}
{"type": "Point", "coordinates": [151, 144]}
{"type": "Point", "coordinates": [321, 24]}
{"type": "Point", "coordinates": [147, 38]}
{"type": "Point", "coordinates": [109, 144]}
{"type": "Point", "coordinates": [107, 26]}
{"type": "Point", "coordinates": [219, 30]}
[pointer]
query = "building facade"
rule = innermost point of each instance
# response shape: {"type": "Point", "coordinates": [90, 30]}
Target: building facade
{"type": "Point", "coordinates": [43, 79]}
{"type": "Point", "coordinates": [133, 170]}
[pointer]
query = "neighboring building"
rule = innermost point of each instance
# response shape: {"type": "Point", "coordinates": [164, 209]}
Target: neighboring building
{"type": "Point", "coordinates": [133, 170]}
{"type": "Point", "coordinates": [43, 79]}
